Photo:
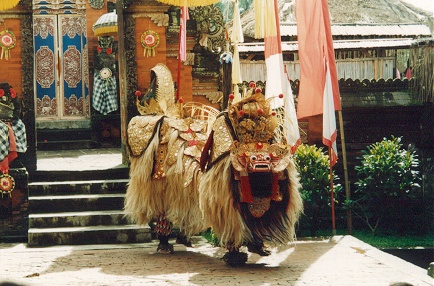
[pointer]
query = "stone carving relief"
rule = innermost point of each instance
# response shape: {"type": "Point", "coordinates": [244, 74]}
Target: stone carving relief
{"type": "Point", "coordinates": [210, 27]}
{"type": "Point", "coordinates": [45, 66]}
{"type": "Point", "coordinates": [43, 26]}
{"type": "Point", "coordinates": [71, 27]}
{"type": "Point", "coordinates": [72, 71]}
{"type": "Point", "coordinates": [96, 4]}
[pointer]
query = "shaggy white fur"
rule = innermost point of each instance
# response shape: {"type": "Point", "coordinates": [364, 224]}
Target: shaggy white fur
{"type": "Point", "coordinates": [148, 198]}
{"type": "Point", "coordinates": [193, 204]}
{"type": "Point", "coordinates": [219, 210]}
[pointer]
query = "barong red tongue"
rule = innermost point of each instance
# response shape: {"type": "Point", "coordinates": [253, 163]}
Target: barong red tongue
{"type": "Point", "coordinates": [246, 190]}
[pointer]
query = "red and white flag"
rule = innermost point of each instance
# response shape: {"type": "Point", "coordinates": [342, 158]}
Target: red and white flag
{"type": "Point", "coordinates": [276, 82]}
{"type": "Point", "coordinates": [329, 132]}
{"type": "Point", "coordinates": [319, 89]}
{"type": "Point", "coordinates": [277, 78]}
{"type": "Point", "coordinates": [398, 74]}
{"type": "Point", "coordinates": [292, 133]}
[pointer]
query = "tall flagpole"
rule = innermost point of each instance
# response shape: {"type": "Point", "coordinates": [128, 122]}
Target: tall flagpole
{"type": "Point", "coordinates": [332, 194]}
{"type": "Point", "coordinates": [344, 161]}
{"type": "Point", "coordinates": [319, 89]}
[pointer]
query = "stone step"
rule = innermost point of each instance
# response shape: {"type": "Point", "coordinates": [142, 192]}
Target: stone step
{"type": "Point", "coordinates": [76, 219]}
{"type": "Point", "coordinates": [51, 139]}
{"type": "Point", "coordinates": [67, 145]}
{"type": "Point", "coordinates": [68, 208]}
{"type": "Point", "coordinates": [86, 175]}
{"type": "Point", "coordinates": [75, 203]}
{"type": "Point", "coordinates": [89, 235]}
{"type": "Point", "coordinates": [78, 187]}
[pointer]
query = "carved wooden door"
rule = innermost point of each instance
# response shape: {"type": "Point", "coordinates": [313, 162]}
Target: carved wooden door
{"type": "Point", "coordinates": [61, 67]}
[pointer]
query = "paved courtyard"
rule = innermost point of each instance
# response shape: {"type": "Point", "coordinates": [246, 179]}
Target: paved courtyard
{"type": "Point", "coordinates": [79, 160]}
{"type": "Point", "coordinates": [342, 260]}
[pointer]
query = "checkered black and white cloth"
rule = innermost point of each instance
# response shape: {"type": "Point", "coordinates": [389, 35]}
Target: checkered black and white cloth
{"type": "Point", "coordinates": [104, 94]}
{"type": "Point", "coordinates": [19, 130]}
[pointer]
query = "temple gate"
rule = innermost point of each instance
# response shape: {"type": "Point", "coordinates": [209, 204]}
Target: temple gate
{"type": "Point", "coordinates": [61, 62]}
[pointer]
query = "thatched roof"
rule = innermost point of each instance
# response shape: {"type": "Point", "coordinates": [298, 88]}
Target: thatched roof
{"type": "Point", "coordinates": [355, 12]}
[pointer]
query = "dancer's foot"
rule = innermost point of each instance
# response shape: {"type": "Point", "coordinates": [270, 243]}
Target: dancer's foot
{"type": "Point", "coordinates": [258, 249]}
{"type": "Point", "coordinates": [165, 248]}
{"type": "Point", "coordinates": [235, 258]}
{"type": "Point", "coordinates": [182, 239]}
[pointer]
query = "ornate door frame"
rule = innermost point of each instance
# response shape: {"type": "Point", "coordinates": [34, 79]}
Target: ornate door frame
{"type": "Point", "coordinates": [61, 67]}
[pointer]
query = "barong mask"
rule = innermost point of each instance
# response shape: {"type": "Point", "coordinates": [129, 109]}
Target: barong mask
{"type": "Point", "coordinates": [254, 125]}
{"type": "Point", "coordinates": [259, 162]}
{"type": "Point", "coordinates": [259, 157]}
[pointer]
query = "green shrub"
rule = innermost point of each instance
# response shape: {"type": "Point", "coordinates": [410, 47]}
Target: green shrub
{"type": "Point", "coordinates": [387, 170]}
{"type": "Point", "coordinates": [387, 183]}
{"type": "Point", "coordinates": [314, 168]}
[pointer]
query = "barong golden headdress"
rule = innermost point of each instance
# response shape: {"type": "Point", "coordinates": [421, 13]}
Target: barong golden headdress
{"type": "Point", "coordinates": [252, 119]}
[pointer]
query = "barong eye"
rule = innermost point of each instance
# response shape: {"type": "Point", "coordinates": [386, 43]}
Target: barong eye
{"type": "Point", "coordinates": [253, 158]}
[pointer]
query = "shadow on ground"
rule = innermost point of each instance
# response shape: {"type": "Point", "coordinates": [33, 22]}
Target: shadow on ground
{"type": "Point", "coordinates": [198, 265]}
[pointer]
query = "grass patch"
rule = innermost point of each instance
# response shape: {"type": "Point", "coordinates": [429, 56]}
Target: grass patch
{"type": "Point", "coordinates": [379, 240]}
{"type": "Point", "coordinates": [395, 241]}
{"type": "Point", "coordinates": [386, 240]}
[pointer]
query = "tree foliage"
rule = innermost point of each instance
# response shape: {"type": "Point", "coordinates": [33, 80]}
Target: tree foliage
{"type": "Point", "coordinates": [387, 170]}
{"type": "Point", "coordinates": [387, 180]}
{"type": "Point", "coordinates": [314, 168]}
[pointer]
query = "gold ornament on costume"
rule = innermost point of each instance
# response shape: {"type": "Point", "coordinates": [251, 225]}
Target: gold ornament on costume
{"type": "Point", "coordinates": [259, 157]}
{"type": "Point", "coordinates": [149, 40]}
{"type": "Point", "coordinates": [252, 119]}
{"type": "Point", "coordinates": [140, 132]}
{"type": "Point", "coordinates": [7, 42]}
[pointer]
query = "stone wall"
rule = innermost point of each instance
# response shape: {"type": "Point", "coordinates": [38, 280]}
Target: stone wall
{"type": "Point", "coordinates": [14, 209]}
